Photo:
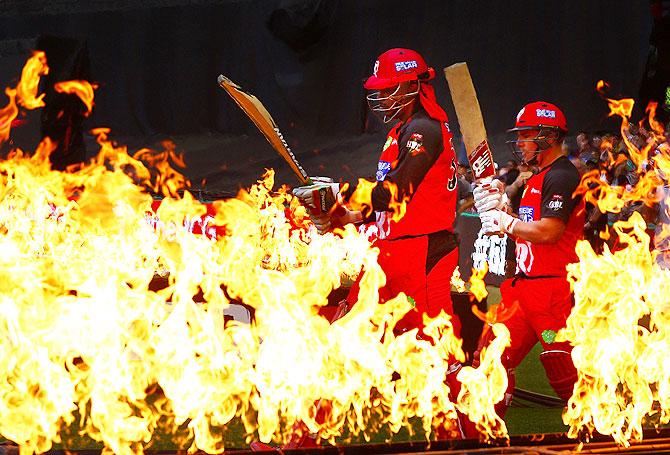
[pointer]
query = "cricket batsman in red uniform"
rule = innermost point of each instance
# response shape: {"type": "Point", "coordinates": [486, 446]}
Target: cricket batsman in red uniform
{"type": "Point", "coordinates": [419, 252]}
{"type": "Point", "coordinates": [549, 223]}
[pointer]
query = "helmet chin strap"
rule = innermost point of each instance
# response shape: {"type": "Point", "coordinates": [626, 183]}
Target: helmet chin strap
{"type": "Point", "coordinates": [532, 161]}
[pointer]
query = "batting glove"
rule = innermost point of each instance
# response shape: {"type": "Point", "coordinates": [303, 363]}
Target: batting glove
{"type": "Point", "coordinates": [489, 194]}
{"type": "Point", "coordinates": [319, 197]}
{"type": "Point", "coordinates": [497, 222]}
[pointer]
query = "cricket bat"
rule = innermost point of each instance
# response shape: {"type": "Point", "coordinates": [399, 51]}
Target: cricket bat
{"type": "Point", "coordinates": [324, 200]}
{"type": "Point", "coordinates": [265, 123]}
{"type": "Point", "coordinates": [470, 120]}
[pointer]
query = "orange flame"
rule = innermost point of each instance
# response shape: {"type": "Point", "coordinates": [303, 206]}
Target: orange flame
{"type": "Point", "coordinates": [84, 333]}
{"type": "Point", "coordinates": [596, 190]}
{"type": "Point", "coordinates": [397, 207]}
{"type": "Point", "coordinates": [83, 89]}
{"type": "Point", "coordinates": [457, 282]}
{"type": "Point", "coordinates": [483, 387]}
{"type": "Point", "coordinates": [620, 330]}
{"type": "Point", "coordinates": [619, 357]}
{"type": "Point", "coordinates": [361, 199]}
{"type": "Point", "coordinates": [477, 284]}
{"type": "Point", "coordinates": [25, 92]}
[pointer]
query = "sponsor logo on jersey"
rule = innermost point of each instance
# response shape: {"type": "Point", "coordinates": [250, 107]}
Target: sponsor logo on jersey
{"type": "Point", "coordinates": [415, 144]}
{"type": "Point", "coordinates": [526, 213]}
{"type": "Point", "coordinates": [387, 144]}
{"type": "Point", "coordinates": [535, 191]}
{"type": "Point", "coordinates": [546, 113]}
{"type": "Point", "coordinates": [556, 202]}
{"type": "Point", "coordinates": [383, 167]}
{"type": "Point", "coordinates": [453, 180]}
{"type": "Point", "coordinates": [404, 66]}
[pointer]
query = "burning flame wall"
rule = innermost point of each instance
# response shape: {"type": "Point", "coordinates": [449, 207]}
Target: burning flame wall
{"type": "Point", "coordinates": [83, 336]}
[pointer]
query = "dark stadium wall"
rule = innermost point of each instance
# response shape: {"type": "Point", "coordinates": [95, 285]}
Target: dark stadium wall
{"type": "Point", "coordinates": [156, 62]}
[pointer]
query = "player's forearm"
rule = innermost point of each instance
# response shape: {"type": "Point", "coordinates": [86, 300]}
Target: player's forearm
{"type": "Point", "coordinates": [352, 216]}
{"type": "Point", "coordinates": [546, 230]}
{"type": "Point", "coordinates": [511, 190]}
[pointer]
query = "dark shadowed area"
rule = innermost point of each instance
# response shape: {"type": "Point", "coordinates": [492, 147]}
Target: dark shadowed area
{"type": "Point", "coordinates": [156, 64]}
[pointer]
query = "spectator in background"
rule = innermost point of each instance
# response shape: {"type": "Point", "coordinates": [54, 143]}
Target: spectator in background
{"type": "Point", "coordinates": [587, 152]}
{"type": "Point", "coordinates": [655, 84]}
{"type": "Point", "coordinates": [514, 189]}
{"type": "Point", "coordinates": [465, 202]}
{"type": "Point", "coordinates": [579, 164]}
{"type": "Point", "coordinates": [508, 172]}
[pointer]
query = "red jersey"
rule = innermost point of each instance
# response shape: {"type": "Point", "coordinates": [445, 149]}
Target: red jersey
{"type": "Point", "coordinates": [419, 159]}
{"type": "Point", "coordinates": [549, 194]}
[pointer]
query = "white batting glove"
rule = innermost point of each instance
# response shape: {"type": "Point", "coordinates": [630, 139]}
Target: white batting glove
{"type": "Point", "coordinates": [498, 222]}
{"type": "Point", "coordinates": [317, 179]}
{"type": "Point", "coordinates": [489, 194]}
{"type": "Point", "coordinates": [320, 196]}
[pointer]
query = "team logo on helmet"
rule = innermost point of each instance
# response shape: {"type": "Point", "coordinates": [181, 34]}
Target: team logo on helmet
{"type": "Point", "coordinates": [518, 116]}
{"type": "Point", "coordinates": [404, 66]}
{"type": "Point", "coordinates": [376, 68]}
{"type": "Point", "coordinates": [546, 113]}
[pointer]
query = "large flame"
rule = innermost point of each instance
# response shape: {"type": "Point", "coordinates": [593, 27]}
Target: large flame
{"type": "Point", "coordinates": [485, 386]}
{"type": "Point", "coordinates": [87, 335]}
{"type": "Point", "coordinates": [619, 326]}
{"type": "Point", "coordinates": [83, 89]}
{"type": "Point", "coordinates": [621, 335]}
{"type": "Point", "coordinates": [25, 93]}
{"type": "Point", "coordinates": [596, 190]}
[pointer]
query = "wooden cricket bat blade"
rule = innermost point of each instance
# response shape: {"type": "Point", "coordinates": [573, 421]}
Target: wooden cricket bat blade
{"type": "Point", "coordinates": [265, 123]}
{"type": "Point", "coordinates": [470, 119]}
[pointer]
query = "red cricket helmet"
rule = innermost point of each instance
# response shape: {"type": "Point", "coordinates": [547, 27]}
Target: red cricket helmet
{"type": "Point", "coordinates": [398, 65]}
{"type": "Point", "coordinates": [549, 122]}
{"type": "Point", "coordinates": [540, 114]}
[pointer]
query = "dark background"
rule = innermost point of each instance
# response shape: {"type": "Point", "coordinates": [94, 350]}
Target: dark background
{"type": "Point", "coordinates": [156, 64]}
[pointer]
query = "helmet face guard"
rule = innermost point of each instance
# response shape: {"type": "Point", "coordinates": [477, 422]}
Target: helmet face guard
{"type": "Point", "coordinates": [542, 140]}
{"type": "Point", "coordinates": [390, 88]}
{"type": "Point", "coordinates": [389, 106]}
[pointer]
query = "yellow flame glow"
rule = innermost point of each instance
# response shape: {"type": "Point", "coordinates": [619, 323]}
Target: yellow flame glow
{"type": "Point", "coordinates": [477, 284]}
{"type": "Point", "coordinates": [619, 326]}
{"type": "Point", "coordinates": [25, 93]}
{"type": "Point", "coordinates": [86, 336]}
{"type": "Point", "coordinates": [483, 387]}
{"type": "Point", "coordinates": [457, 282]}
{"type": "Point", "coordinates": [83, 89]}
